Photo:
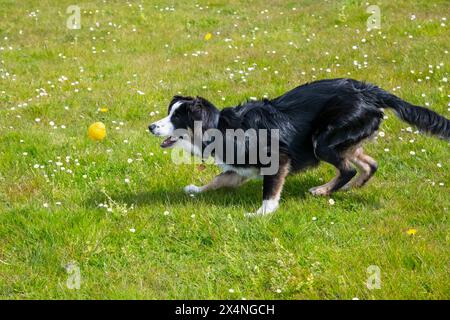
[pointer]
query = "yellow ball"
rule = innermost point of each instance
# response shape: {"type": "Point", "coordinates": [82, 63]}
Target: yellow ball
{"type": "Point", "coordinates": [97, 131]}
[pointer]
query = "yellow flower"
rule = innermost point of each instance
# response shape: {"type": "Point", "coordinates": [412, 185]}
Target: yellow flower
{"type": "Point", "coordinates": [411, 231]}
{"type": "Point", "coordinates": [208, 36]}
{"type": "Point", "coordinates": [103, 110]}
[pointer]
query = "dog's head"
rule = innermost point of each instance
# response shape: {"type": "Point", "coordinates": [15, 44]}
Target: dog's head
{"type": "Point", "coordinates": [183, 112]}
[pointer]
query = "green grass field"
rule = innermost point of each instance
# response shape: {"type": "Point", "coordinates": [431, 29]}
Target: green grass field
{"type": "Point", "coordinates": [116, 208]}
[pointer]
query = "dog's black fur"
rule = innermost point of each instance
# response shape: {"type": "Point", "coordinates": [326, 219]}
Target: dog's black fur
{"type": "Point", "coordinates": [321, 120]}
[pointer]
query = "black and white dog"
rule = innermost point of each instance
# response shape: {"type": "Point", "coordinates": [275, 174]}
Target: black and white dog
{"type": "Point", "coordinates": [324, 120]}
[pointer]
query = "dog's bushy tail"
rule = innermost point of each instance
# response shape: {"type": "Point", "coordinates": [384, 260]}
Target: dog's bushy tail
{"type": "Point", "coordinates": [423, 118]}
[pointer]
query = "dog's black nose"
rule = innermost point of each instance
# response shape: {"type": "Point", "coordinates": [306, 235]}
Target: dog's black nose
{"type": "Point", "coordinates": [152, 127]}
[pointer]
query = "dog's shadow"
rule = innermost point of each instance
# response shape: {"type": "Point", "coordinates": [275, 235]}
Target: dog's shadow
{"type": "Point", "coordinates": [249, 195]}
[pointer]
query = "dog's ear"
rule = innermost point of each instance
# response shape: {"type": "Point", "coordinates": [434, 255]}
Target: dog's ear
{"type": "Point", "coordinates": [195, 108]}
{"type": "Point", "coordinates": [177, 98]}
{"type": "Point", "coordinates": [229, 119]}
{"type": "Point", "coordinates": [203, 102]}
{"type": "Point", "coordinates": [180, 97]}
{"type": "Point", "coordinates": [201, 109]}
{"type": "Point", "coordinates": [201, 105]}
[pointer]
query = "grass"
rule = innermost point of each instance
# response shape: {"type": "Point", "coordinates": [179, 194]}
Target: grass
{"type": "Point", "coordinates": [52, 180]}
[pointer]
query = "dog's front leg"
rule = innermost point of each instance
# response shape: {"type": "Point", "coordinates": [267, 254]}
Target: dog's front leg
{"type": "Point", "coordinates": [225, 179]}
{"type": "Point", "coordinates": [272, 187]}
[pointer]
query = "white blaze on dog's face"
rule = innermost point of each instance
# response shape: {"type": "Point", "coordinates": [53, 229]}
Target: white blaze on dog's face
{"type": "Point", "coordinates": [165, 127]}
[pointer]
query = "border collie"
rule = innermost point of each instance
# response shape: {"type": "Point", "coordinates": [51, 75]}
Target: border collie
{"type": "Point", "coordinates": [326, 120]}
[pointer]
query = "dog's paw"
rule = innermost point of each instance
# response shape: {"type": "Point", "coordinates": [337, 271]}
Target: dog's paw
{"type": "Point", "coordinates": [267, 207]}
{"type": "Point", "coordinates": [250, 214]}
{"type": "Point", "coordinates": [190, 189]}
{"type": "Point", "coordinates": [254, 214]}
{"type": "Point", "coordinates": [259, 213]}
{"type": "Point", "coordinates": [319, 191]}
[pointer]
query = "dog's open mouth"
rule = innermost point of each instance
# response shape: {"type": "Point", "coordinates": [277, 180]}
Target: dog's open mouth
{"type": "Point", "coordinates": [170, 141]}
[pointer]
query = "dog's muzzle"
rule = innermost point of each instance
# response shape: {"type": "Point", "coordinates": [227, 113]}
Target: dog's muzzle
{"type": "Point", "coordinates": [168, 142]}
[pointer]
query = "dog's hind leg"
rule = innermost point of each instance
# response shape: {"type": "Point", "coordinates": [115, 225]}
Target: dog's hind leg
{"type": "Point", "coordinates": [344, 125]}
{"type": "Point", "coordinates": [367, 167]}
{"type": "Point", "coordinates": [226, 179]}
{"type": "Point", "coordinates": [345, 170]}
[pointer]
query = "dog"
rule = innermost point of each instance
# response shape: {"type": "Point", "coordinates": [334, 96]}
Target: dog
{"type": "Point", "coordinates": [326, 120]}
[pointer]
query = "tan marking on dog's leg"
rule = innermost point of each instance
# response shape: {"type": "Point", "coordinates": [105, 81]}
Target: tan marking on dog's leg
{"type": "Point", "coordinates": [226, 179]}
{"type": "Point", "coordinates": [363, 174]}
{"type": "Point", "coordinates": [280, 179]}
{"type": "Point", "coordinates": [369, 160]}
{"type": "Point", "coordinates": [366, 166]}
{"type": "Point", "coordinates": [373, 166]}
{"type": "Point", "coordinates": [327, 188]}
{"type": "Point", "coordinates": [272, 187]}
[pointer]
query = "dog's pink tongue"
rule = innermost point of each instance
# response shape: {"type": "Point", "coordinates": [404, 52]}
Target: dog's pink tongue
{"type": "Point", "coordinates": [167, 143]}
